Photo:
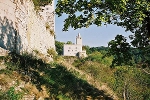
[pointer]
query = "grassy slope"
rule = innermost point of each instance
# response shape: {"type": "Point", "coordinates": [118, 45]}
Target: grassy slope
{"type": "Point", "coordinates": [90, 79]}
{"type": "Point", "coordinates": [59, 82]}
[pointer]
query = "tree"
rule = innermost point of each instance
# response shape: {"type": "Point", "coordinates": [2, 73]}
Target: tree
{"type": "Point", "coordinates": [99, 49]}
{"type": "Point", "coordinates": [121, 51]}
{"type": "Point", "coordinates": [59, 47]}
{"type": "Point", "coordinates": [87, 48]}
{"type": "Point", "coordinates": [133, 15]}
{"type": "Point", "coordinates": [69, 42]}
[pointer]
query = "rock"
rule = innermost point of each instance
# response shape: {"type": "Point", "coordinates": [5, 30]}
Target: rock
{"type": "Point", "coordinates": [3, 52]}
{"type": "Point", "coordinates": [22, 29]}
{"type": "Point", "coordinates": [2, 66]}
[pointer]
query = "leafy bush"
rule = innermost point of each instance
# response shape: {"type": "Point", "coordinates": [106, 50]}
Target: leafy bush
{"type": "Point", "coordinates": [94, 57]}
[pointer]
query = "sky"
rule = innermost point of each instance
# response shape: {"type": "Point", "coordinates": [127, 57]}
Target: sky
{"type": "Point", "coordinates": [92, 36]}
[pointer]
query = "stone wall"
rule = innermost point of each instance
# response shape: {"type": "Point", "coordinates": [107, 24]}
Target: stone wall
{"type": "Point", "coordinates": [23, 29]}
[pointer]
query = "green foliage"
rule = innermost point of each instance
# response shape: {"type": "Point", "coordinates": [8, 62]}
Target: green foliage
{"type": "Point", "coordinates": [38, 3]}
{"type": "Point", "coordinates": [90, 50]}
{"type": "Point", "coordinates": [59, 47]}
{"type": "Point", "coordinates": [101, 49]}
{"type": "Point", "coordinates": [62, 97]}
{"type": "Point", "coordinates": [109, 12]}
{"type": "Point", "coordinates": [99, 57]}
{"type": "Point", "coordinates": [141, 57]}
{"type": "Point", "coordinates": [137, 83]}
{"type": "Point", "coordinates": [120, 50]}
{"type": "Point", "coordinates": [87, 48]}
{"type": "Point", "coordinates": [10, 95]}
{"type": "Point", "coordinates": [69, 42]}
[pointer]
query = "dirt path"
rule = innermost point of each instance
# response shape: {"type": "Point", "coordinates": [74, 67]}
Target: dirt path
{"type": "Point", "coordinates": [89, 79]}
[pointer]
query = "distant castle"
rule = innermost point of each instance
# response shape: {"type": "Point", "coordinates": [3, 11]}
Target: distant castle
{"type": "Point", "coordinates": [74, 49]}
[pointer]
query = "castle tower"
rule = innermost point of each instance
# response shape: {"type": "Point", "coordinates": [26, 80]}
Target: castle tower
{"type": "Point", "coordinates": [79, 39]}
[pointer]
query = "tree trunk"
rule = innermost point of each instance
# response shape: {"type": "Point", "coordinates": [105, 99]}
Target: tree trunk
{"type": "Point", "coordinates": [124, 92]}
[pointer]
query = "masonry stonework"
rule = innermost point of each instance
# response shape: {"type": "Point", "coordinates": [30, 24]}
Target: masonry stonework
{"type": "Point", "coordinates": [22, 29]}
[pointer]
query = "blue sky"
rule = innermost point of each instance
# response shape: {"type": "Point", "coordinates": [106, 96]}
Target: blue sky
{"type": "Point", "coordinates": [93, 36]}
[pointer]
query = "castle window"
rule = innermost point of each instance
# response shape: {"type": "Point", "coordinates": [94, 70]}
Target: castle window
{"type": "Point", "coordinates": [68, 50]}
{"type": "Point", "coordinates": [76, 48]}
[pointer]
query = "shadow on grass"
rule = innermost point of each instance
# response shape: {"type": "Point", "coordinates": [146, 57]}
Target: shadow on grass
{"type": "Point", "coordinates": [61, 84]}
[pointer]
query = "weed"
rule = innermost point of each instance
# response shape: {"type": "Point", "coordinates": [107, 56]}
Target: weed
{"type": "Point", "coordinates": [51, 52]}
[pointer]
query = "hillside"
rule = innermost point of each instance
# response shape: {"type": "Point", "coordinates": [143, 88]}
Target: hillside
{"type": "Point", "coordinates": [128, 82]}
{"type": "Point", "coordinates": [28, 77]}
{"type": "Point", "coordinates": [70, 78]}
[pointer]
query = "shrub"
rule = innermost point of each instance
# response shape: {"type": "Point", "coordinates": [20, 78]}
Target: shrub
{"type": "Point", "coordinates": [11, 95]}
{"type": "Point", "coordinates": [52, 52]}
